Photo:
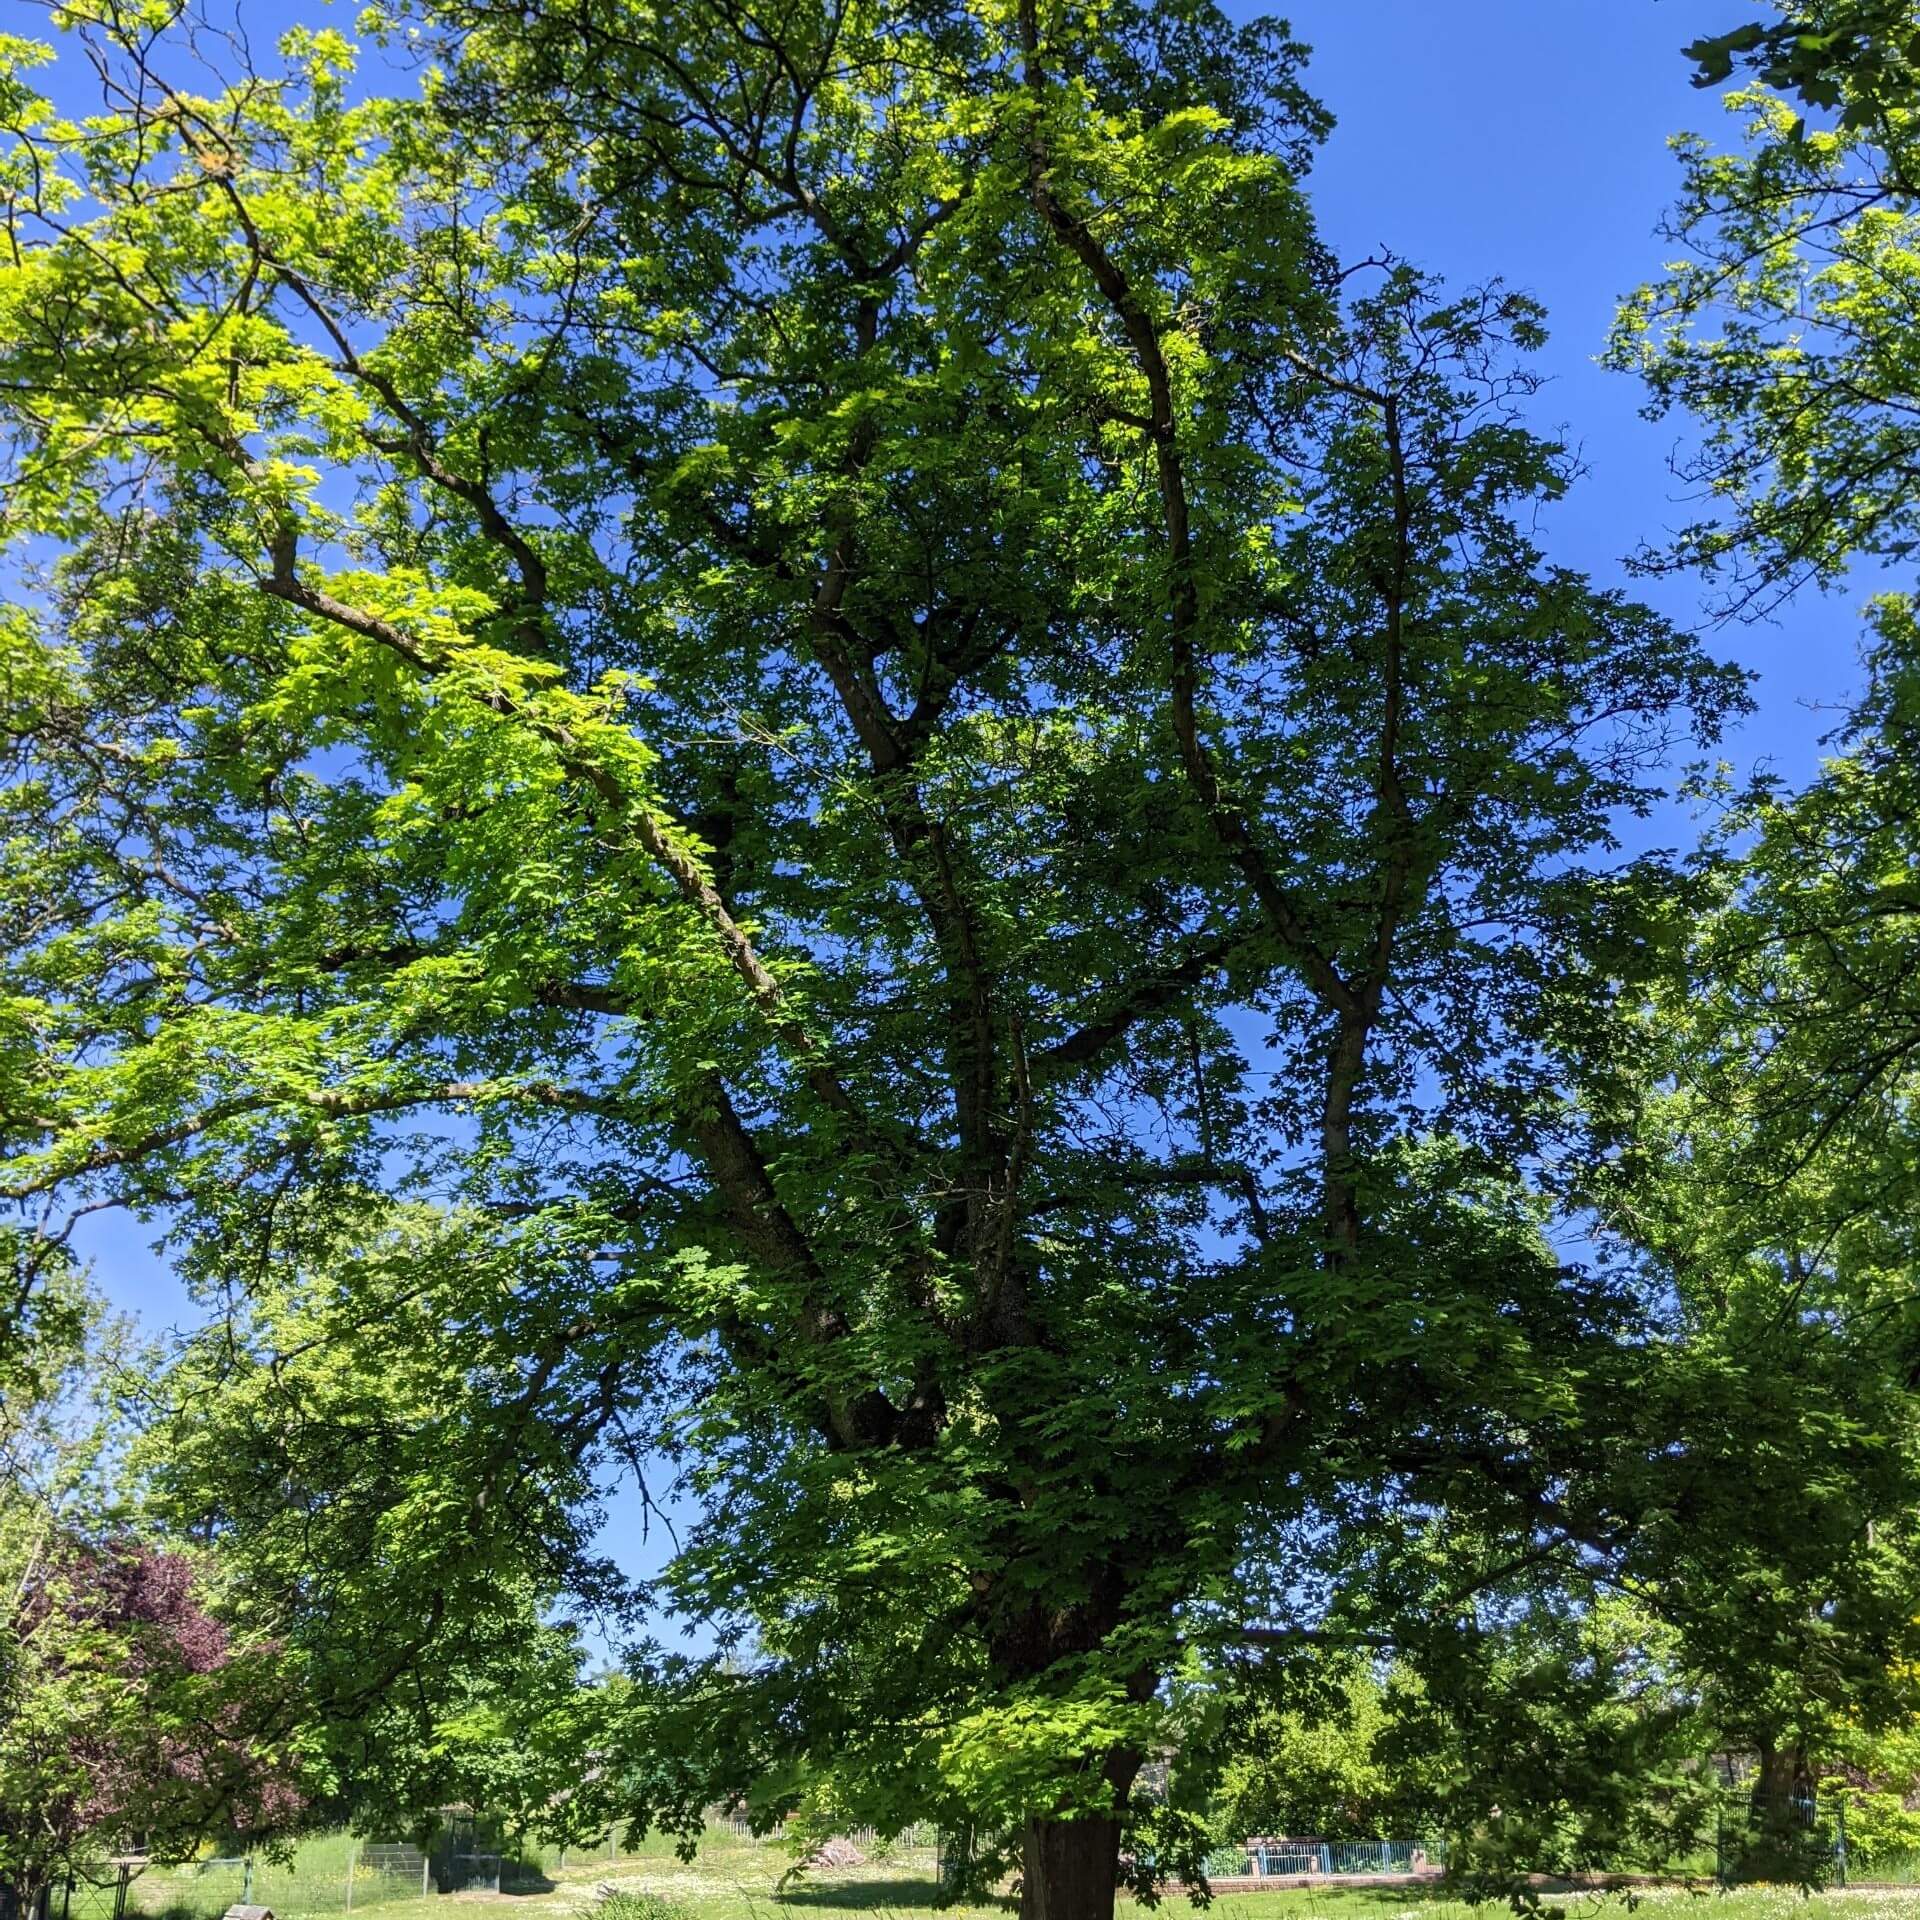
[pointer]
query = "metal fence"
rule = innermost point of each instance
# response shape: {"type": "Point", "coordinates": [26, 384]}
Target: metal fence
{"type": "Point", "coordinates": [335, 1878]}
{"type": "Point", "coordinates": [1261, 1859]}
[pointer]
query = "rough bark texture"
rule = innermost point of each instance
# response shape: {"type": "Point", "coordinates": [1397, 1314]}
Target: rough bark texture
{"type": "Point", "coordinates": [1069, 1869]}
{"type": "Point", "coordinates": [1781, 1814]}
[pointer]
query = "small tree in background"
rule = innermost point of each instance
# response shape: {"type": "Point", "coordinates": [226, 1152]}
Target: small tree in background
{"type": "Point", "coordinates": [131, 1713]}
{"type": "Point", "coordinates": [127, 1707]}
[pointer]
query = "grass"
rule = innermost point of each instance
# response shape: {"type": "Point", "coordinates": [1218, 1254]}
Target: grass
{"type": "Point", "coordinates": [313, 1883]}
{"type": "Point", "coordinates": [738, 1879]}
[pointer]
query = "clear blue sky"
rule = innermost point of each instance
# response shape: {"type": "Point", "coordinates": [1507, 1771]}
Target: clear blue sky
{"type": "Point", "coordinates": [1523, 138]}
{"type": "Point", "coordinates": [1528, 139]}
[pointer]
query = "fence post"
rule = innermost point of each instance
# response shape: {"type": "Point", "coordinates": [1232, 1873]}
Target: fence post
{"type": "Point", "coordinates": [353, 1849]}
{"type": "Point", "coordinates": [246, 1881]}
{"type": "Point", "coordinates": [426, 1869]}
{"type": "Point", "coordinates": [1841, 1850]}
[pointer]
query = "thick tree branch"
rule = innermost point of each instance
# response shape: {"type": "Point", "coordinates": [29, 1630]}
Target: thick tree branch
{"type": "Point", "coordinates": [650, 827]}
{"type": "Point", "coordinates": [1228, 821]}
{"type": "Point", "coordinates": [1152, 993]}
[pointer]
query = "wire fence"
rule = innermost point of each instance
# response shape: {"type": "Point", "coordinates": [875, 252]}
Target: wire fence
{"type": "Point", "coordinates": [335, 1876]}
{"type": "Point", "coordinates": [339, 1874]}
{"type": "Point", "coordinates": [1295, 1859]}
{"type": "Point", "coordinates": [1817, 1839]}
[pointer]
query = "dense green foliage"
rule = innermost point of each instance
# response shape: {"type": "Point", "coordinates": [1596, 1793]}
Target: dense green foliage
{"type": "Point", "coordinates": [1851, 58]}
{"type": "Point", "coordinates": [1771, 1171]}
{"type": "Point", "coordinates": [1784, 330]}
{"type": "Point", "coordinates": [378, 1494]}
{"type": "Point", "coordinates": [793, 764]}
{"type": "Point", "coordinates": [831, 684]}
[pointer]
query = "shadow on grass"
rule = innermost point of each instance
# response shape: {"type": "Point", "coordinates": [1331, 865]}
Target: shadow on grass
{"type": "Point", "coordinates": [1425, 1899]}
{"type": "Point", "coordinates": [1406, 1894]}
{"type": "Point", "coordinates": [862, 1894]}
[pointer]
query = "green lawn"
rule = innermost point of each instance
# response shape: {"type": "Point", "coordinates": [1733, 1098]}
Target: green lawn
{"type": "Point", "coordinates": [732, 1880]}
{"type": "Point", "coordinates": [737, 1879]}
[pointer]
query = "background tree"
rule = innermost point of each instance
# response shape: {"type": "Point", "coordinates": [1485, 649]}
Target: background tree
{"type": "Point", "coordinates": [360, 1445]}
{"type": "Point", "coordinates": [831, 675]}
{"type": "Point", "coordinates": [126, 1707]}
{"type": "Point", "coordinates": [1313, 1769]}
{"type": "Point", "coordinates": [1781, 1210]}
{"type": "Point", "coordinates": [1552, 1732]}
{"type": "Point", "coordinates": [1771, 1176]}
{"type": "Point", "coordinates": [1547, 1726]}
{"type": "Point", "coordinates": [1783, 330]}
{"type": "Point", "coordinates": [130, 1715]}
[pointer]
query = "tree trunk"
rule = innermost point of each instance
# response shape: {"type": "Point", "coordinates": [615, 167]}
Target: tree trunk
{"type": "Point", "coordinates": [1780, 1815]}
{"type": "Point", "coordinates": [1069, 1869]}
{"type": "Point", "coordinates": [26, 1900]}
{"type": "Point", "coordinates": [1780, 1789]}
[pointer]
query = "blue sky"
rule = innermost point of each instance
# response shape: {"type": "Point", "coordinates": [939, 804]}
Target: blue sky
{"type": "Point", "coordinates": [1528, 139]}
{"type": "Point", "coordinates": [1518, 138]}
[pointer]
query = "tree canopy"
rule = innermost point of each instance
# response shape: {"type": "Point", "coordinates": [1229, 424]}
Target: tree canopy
{"type": "Point", "coordinates": [793, 759]}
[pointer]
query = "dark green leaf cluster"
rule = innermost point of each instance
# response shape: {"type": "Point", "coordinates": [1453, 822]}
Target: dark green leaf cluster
{"type": "Point", "coordinates": [796, 760]}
